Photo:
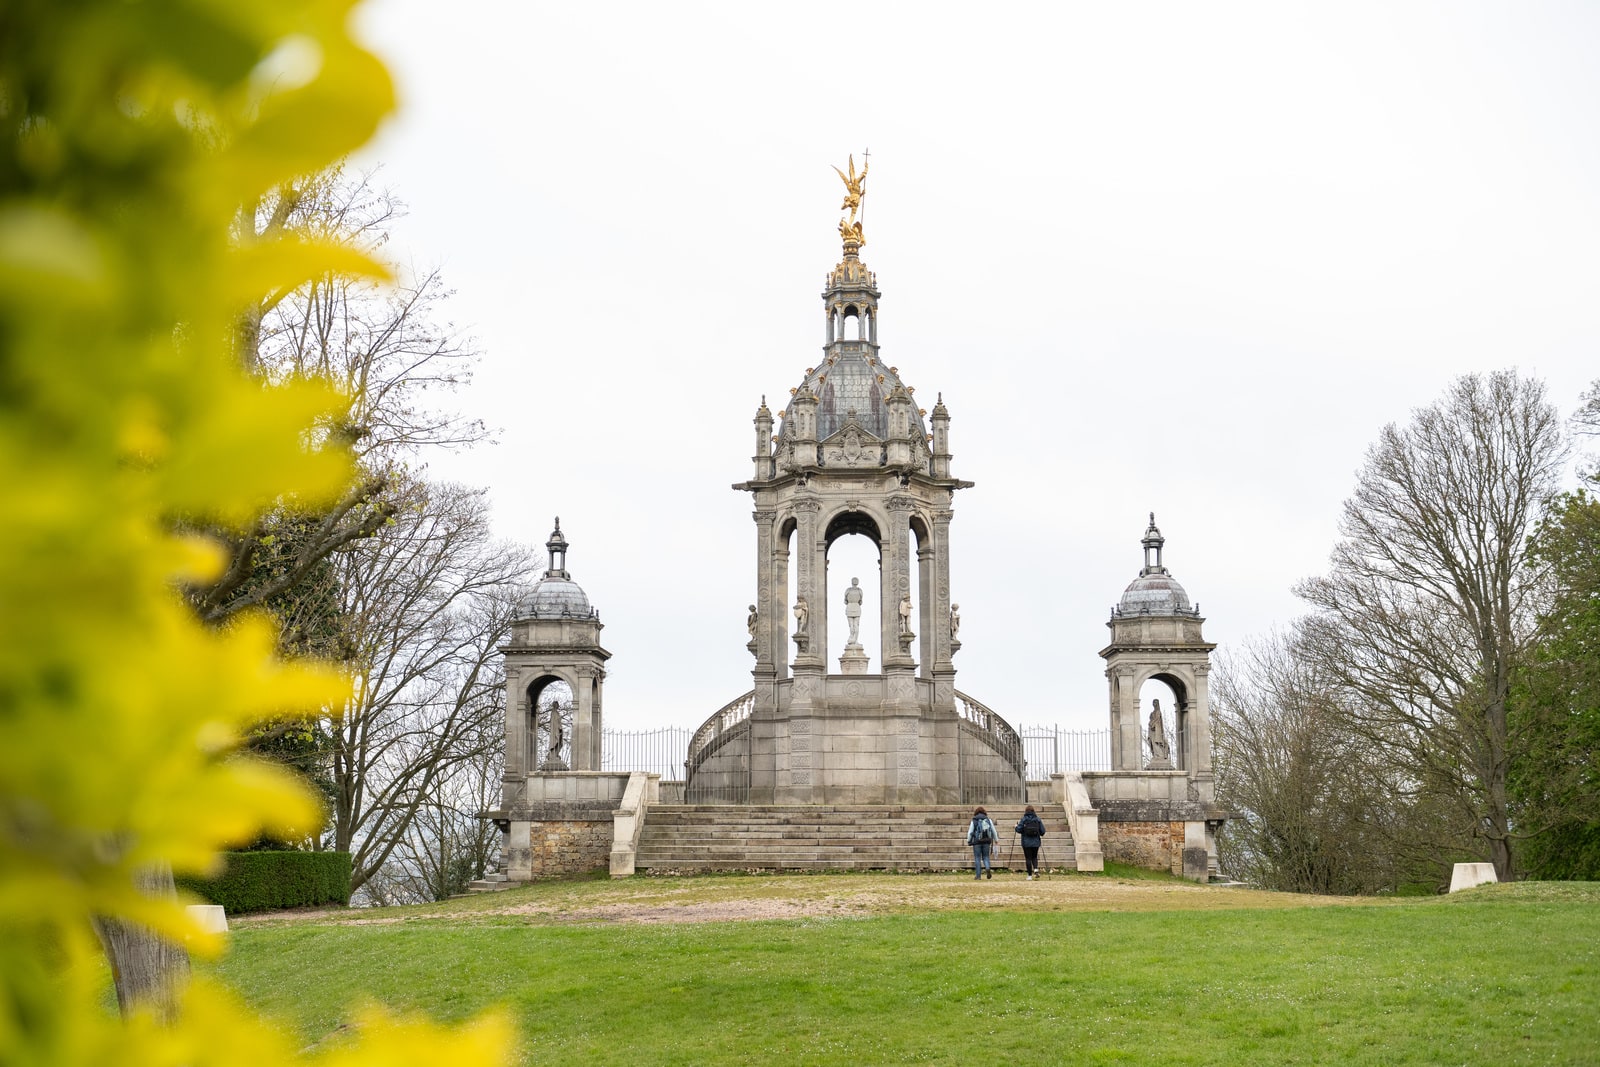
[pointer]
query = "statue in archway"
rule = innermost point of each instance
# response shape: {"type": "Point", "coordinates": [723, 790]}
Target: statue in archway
{"type": "Point", "coordinates": [1160, 751]}
{"type": "Point", "coordinates": [555, 732]}
{"type": "Point", "coordinates": [852, 610]}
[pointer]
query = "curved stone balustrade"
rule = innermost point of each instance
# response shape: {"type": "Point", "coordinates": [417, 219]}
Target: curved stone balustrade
{"type": "Point", "coordinates": [708, 738]}
{"type": "Point", "coordinates": [1004, 739]}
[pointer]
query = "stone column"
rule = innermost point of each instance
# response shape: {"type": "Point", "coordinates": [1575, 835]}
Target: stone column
{"type": "Point", "coordinates": [896, 579]}
{"type": "Point", "coordinates": [808, 581]}
{"type": "Point", "coordinates": [597, 738]}
{"type": "Point", "coordinates": [766, 624]}
{"type": "Point", "coordinates": [516, 731]}
{"type": "Point", "coordinates": [1127, 740]}
{"type": "Point", "coordinates": [776, 606]}
{"type": "Point", "coordinates": [927, 605]}
{"type": "Point", "coordinates": [942, 653]}
{"type": "Point", "coordinates": [583, 720]}
{"type": "Point", "coordinates": [1201, 779]}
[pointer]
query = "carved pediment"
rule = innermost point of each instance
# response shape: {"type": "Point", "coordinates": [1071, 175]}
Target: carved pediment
{"type": "Point", "coordinates": [852, 446]}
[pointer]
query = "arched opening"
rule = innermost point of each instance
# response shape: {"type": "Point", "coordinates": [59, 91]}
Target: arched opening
{"type": "Point", "coordinates": [852, 323]}
{"type": "Point", "coordinates": [853, 583]}
{"type": "Point", "coordinates": [551, 705]}
{"type": "Point", "coordinates": [1164, 698]}
{"type": "Point", "coordinates": [854, 552]}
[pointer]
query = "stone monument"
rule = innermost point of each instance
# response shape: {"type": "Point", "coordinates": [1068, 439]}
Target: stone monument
{"type": "Point", "coordinates": [1156, 635]}
{"type": "Point", "coordinates": [854, 454]}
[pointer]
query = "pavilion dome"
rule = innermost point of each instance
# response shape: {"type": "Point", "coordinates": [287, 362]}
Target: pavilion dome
{"type": "Point", "coordinates": [1154, 594]}
{"type": "Point", "coordinates": [555, 598]}
{"type": "Point", "coordinates": [1155, 591]}
{"type": "Point", "coordinates": [556, 595]}
{"type": "Point", "coordinates": [854, 381]}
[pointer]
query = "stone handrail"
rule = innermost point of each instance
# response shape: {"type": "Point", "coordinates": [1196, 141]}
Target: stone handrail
{"type": "Point", "coordinates": [1006, 741]}
{"type": "Point", "coordinates": [628, 820]}
{"type": "Point", "coordinates": [1082, 820]}
{"type": "Point", "coordinates": [713, 729]}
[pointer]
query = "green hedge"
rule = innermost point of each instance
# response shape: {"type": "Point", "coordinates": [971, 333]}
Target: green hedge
{"type": "Point", "coordinates": [265, 881]}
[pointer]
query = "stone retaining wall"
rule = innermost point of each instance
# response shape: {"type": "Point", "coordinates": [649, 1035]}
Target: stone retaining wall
{"type": "Point", "coordinates": [1154, 846]}
{"type": "Point", "coordinates": [571, 846]}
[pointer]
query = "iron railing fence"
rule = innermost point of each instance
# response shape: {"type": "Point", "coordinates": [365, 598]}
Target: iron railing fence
{"type": "Point", "coordinates": [658, 751]}
{"type": "Point", "coordinates": [1053, 750]}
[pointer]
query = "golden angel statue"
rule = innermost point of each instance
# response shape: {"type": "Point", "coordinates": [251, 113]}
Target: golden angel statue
{"type": "Point", "coordinates": [854, 186]}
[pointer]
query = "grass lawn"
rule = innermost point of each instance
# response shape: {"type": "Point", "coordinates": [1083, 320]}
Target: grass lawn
{"type": "Point", "coordinates": [935, 969]}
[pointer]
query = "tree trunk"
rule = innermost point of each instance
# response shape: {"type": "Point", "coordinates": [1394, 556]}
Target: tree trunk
{"type": "Point", "coordinates": [149, 971]}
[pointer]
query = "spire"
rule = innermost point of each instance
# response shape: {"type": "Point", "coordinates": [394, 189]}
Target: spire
{"type": "Point", "coordinates": [1152, 549]}
{"type": "Point", "coordinates": [556, 548]}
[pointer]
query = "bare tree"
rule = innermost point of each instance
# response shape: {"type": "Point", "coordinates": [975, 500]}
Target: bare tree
{"type": "Point", "coordinates": [447, 844]}
{"type": "Point", "coordinates": [426, 603]}
{"type": "Point", "coordinates": [1431, 599]}
{"type": "Point", "coordinates": [1316, 808]}
{"type": "Point", "coordinates": [385, 345]}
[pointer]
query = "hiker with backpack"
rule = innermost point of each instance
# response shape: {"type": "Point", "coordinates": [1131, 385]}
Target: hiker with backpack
{"type": "Point", "coordinates": [1032, 830]}
{"type": "Point", "coordinates": [981, 836]}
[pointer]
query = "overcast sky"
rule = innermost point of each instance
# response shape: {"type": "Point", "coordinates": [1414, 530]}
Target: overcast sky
{"type": "Point", "coordinates": [1183, 258]}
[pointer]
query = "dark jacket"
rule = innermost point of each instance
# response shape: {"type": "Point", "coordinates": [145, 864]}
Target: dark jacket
{"type": "Point", "coordinates": [1032, 829]}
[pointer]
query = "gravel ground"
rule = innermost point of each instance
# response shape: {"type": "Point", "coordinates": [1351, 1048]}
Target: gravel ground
{"type": "Point", "coordinates": [849, 896]}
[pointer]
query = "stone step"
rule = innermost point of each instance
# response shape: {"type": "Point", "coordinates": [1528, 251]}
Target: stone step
{"type": "Point", "coordinates": [484, 885]}
{"type": "Point", "coordinates": [808, 863]}
{"type": "Point", "coordinates": [830, 837]}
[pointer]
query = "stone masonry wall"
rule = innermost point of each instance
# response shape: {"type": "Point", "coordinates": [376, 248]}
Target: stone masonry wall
{"type": "Point", "coordinates": [570, 846]}
{"type": "Point", "coordinates": [1156, 846]}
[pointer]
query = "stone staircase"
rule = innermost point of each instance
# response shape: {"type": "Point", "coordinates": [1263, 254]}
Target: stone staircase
{"type": "Point", "coordinates": [685, 837]}
{"type": "Point", "coordinates": [492, 882]}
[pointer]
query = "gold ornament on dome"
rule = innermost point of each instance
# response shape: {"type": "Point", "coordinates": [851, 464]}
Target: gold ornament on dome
{"type": "Point", "coordinates": [855, 190]}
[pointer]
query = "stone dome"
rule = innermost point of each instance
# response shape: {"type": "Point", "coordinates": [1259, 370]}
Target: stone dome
{"type": "Point", "coordinates": [1154, 594]}
{"type": "Point", "coordinates": [555, 598]}
{"type": "Point", "coordinates": [854, 381]}
{"type": "Point", "coordinates": [1155, 591]}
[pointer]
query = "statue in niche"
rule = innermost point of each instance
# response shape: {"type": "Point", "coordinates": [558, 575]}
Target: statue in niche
{"type": "Point", "coordinates": [1160, 752]}
{"type": "Point", "coordinates": [554, 732]}
{"type": "Point", "coordinates": [955, 621]}
{"type": "Point", "coordinates": [905, 613]}
{"type": "Point", "coordinates": [802, 615]}
{"type": "Point", "coordinates": [852, 610]}
{"type": "Point", "coordinates": [750, 623]}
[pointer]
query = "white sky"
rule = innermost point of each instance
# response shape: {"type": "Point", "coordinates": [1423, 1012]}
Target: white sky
{"type": "Point", "coordinates": [1184, 258]}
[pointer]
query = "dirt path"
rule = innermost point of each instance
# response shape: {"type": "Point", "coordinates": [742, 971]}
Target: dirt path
{"type": "Point", "coordinates": [744, 898]}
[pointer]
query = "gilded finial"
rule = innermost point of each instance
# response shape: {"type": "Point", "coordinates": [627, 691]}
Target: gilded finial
{"type": "Point", "coordinates": [854, 192]}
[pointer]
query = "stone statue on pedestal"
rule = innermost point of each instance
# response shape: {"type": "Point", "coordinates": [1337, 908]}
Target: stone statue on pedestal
{"type": "Point", "coordinates": [852, 610]}
{"type": "Point", "coordinates": [955, 622]}
{"type": "Point", "coordinates": [1156, 734]}
{"type": "Point", "coordinates": [905, 614]}
{"type": "Point", "coordinates": [555, 737]}
{"type": "Point", "coordinates": [802, 616]}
